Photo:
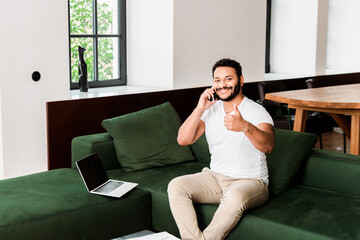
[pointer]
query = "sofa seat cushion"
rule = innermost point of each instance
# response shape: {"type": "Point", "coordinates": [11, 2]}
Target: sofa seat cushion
{"type": "Point", "coordinates": [156, 181]}
{"type": "Point", "coordinates": [148, 138]}
{"type": "Point", "coordinates": [300, 213]}
{"type": "Point", "coordinates": [304, 213]}
{"type": "Point", "coordinates": [56, 205]}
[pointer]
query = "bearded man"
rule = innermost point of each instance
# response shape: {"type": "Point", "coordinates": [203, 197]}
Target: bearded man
{"type": "Point", "coordinates": [239, 133]}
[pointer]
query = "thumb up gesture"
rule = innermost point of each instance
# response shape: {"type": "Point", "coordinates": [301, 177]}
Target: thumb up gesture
{"type": "Point", "coordinates": [234, 121]}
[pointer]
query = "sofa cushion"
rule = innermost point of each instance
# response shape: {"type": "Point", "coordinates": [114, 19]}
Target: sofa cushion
{"type": "Point", "coordinates": [56, 205]}
{"type": "Point", "coordinates": [291, 149]}
{"type": "Point", "coordinates": [148, 138]}
{"type": "Point", "coordinates": [333, 171]}
{"type": "Point", "coordinates": [156, 181]}
{"type": "Point", "coordinates": [300, 213]}
{"type": "Point", "coordinates": [303, 213]}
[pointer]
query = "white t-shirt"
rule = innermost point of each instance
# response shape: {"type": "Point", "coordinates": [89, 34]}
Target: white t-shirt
{"type": "Point", "coordinates": [232, 153]}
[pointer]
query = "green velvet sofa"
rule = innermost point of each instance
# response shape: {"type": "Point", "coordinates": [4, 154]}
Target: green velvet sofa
{"type": "Point", "coordinates": [315, 194]}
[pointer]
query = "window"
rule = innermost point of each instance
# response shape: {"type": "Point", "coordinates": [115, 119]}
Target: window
{"type": "Point", "coordinates": [99, 27]}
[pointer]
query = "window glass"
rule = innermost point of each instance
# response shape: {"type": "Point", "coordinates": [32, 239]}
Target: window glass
{"type": "Point", "coordinates": [81, 18]}
{"type": "Point", "coordinates": [108, 22]}
{"type": "Point", "coordinates": [108, 61]}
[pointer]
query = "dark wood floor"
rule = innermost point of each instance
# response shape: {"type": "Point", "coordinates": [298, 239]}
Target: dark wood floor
{"type": "Point", "coordinates": [333, 141]}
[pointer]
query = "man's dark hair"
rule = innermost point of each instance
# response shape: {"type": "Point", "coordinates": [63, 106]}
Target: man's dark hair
{"type": "Point", "coordinates": [227, 62]}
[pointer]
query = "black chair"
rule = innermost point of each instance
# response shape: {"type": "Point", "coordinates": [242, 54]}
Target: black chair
{"type": "Point", "coordinates": [318, 122]}
{"type": "Point", "coordinates": [278, 111]}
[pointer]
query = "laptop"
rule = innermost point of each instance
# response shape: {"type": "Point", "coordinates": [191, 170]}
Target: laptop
{"type": "Point", "coordinates": [97, 181]}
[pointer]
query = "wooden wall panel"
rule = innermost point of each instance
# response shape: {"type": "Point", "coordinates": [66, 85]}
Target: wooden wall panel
{"type": "Point", "coordinates": [71, 118]}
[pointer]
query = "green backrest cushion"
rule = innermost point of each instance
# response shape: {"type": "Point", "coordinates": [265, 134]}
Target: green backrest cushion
{"type": "Point", "coordinates": [290, 151]}
{"type": "Point", "coordinates": [148, 138]}
{"type": "Point", "coordinates": [332, 171]}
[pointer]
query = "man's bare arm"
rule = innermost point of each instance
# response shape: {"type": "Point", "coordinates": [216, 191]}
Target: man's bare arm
{"type": "Point", "coordinates": [193, 127]}
{"type": "Point", "coordinates": [261, 136]}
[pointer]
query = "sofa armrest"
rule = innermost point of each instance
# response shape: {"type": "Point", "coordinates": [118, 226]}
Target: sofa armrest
{"type": "Point", "coordinates": [332, 171]}
{"type": "Point", "coordinates": [101, 143]}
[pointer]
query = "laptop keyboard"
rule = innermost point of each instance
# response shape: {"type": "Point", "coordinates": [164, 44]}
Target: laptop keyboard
{"type": "Point", "coordinates": [110, 186]}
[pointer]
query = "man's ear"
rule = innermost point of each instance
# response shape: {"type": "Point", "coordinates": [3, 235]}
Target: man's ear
{"type": "Point", "coordinates": [241, 80]}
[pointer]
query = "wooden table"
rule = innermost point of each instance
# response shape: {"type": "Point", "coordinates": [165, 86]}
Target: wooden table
{"type": "Point", "coordinates": [338, 101]}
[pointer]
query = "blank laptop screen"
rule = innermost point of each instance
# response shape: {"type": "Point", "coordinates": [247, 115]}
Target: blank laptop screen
{"type": "Point", "coordinates": [92, 171]}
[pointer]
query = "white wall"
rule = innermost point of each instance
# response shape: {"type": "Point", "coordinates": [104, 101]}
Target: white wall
{"type": "Point", "coordinates": [176, 42]}
{"type": "Point", "coordinates": [1, 134]}
{"type": "Point", "coordinates": [293, 36]}
{"type": "Point", "coordinates": [150, 43]}
{"type": "Point", "coordinates": [343, 46]}
{"type": "Point", "coordinates": [315, 37]}
{"type": "Point", "coordinates": [34, 38]}
{"type": "Point", "coordinates": [207, 30]}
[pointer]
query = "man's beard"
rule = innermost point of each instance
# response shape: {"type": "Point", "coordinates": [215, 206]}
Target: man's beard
{"type": "Point", "coordinates": [231, 97]}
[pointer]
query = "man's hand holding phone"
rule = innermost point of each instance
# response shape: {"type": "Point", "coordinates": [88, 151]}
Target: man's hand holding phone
{"type": "Point", "coordinates": [207, 99]}
{"type": "Point", "coordinates": [214, 96]}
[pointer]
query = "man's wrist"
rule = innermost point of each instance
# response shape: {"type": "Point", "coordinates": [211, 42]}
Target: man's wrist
{"type": "Point", "coordinates": [199, 111]}
{"type": "Point", "coordinates": [247, 127]}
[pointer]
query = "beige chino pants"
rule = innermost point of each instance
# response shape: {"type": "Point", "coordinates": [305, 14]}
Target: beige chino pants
{"type": "Point", "coordinates": [233, 195]}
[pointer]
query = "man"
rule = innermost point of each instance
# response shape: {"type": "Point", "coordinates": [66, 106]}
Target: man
{"type": "Point", "coordinates": [239, 133]}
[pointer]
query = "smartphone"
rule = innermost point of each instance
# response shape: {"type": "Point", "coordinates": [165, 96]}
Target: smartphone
{"type": "Point", "coordinates": [216, 97]}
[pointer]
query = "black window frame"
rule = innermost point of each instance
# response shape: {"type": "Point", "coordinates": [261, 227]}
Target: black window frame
{"type": "Point", "coordinates": [95, 36]}
{"type": "Point", "coordinates": [267, 43]}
